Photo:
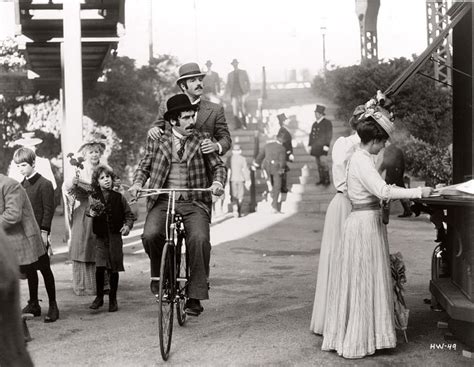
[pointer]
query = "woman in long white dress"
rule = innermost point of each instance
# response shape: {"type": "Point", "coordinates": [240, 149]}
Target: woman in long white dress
{"type": "Point", "coordinates": [360, 319]}
{"type": "Point", "coordinates": [338, 210]}
{"type": "Point", "coordinates": [83, 240]}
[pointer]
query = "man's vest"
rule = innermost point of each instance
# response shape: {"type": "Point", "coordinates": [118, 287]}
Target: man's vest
{"type": "Point", "coordinates": [178, 176]}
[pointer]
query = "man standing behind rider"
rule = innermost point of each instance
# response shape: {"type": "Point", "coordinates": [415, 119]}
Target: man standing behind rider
{"type": "Point", "coordinates": [177, 160]}
{"type": "Point", "coordinates": [209, 117]}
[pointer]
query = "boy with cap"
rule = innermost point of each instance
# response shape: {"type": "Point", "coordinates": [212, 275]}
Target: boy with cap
{"type": "Point", "coordinates": [177, 160]}
{"type": "Point", "coordinates": [209, 118]}
{"type": "Point", "coordinates": [319, 142]}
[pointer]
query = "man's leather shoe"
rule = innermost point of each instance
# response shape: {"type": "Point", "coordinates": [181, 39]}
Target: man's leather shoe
{"type": "Point", "coordinates": [155, 287]}
{"type": "Point", "coordinates": [405, 214]}
{"type": "Point", "coordinates": [98, 302]}
{"type": "Point", "coordinates": [193, 307]}
{"type": "Point", "coordinates": [33, 308]}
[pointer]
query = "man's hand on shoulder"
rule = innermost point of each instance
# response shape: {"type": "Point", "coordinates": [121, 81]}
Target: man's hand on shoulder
{"type": "Point", "coordinates": [217, 188]}
{"type": "Point", "coordinates": [208, 146]}
{"type": "Point", "coordinates": [155, 133]}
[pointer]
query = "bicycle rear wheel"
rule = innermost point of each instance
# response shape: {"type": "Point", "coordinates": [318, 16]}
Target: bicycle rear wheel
{"type": "Point", "coordinates": [166, 301]}
{"type": "Point", "coordinates": [181, 282]}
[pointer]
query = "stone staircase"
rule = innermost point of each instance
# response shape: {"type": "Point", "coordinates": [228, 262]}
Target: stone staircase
{"type": "Point", "coordinates": [304, 195]}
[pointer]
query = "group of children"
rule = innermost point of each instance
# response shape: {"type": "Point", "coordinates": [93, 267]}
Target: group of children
{"type": "Point", "coordinates": [111, 216]}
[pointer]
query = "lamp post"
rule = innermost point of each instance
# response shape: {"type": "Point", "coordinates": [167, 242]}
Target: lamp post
{"type": "Point", "coordinates": [323, 33]}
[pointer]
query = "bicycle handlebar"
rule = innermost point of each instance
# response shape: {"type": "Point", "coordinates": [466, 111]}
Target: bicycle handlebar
{"type": "Point", "coordinates": [150, 192]}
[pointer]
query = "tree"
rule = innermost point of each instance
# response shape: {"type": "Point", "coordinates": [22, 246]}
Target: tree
{"type": "Point", "coordinates": [423, 112]}
{"type": "Point", "coordinates": [127, 101]}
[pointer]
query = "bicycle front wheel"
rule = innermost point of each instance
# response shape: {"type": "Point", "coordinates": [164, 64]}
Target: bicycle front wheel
{"type": "Point", "coordinates": [166, 301]}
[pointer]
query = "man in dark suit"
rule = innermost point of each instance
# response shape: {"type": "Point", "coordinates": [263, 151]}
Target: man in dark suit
{"type": "Point", "coordinates": [286, 141]}
{"type": "Point", "coordinates": [393, 164]}
{"type": "Point", "coordinates": [273, 161]}
{"type": "Point", "coordinates": [176, 160]}
{"type": "Point", "coordinates": [238, 87]}
{"type": "Point", "coordinates": [211, 82]}
{"type": "Point", "coordinates": [210, 116]}
{"type": "Point", "coordinates": [319, 142]}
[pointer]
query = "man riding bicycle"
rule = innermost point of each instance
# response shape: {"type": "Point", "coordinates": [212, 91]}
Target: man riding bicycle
{"type": "Point", "coordinates": [175, 160]}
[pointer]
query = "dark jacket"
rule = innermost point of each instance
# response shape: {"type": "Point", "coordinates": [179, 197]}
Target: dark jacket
{"type": "Point", "coordinates": [272, 158]}
{"type": "Point", "coordinates": [321, 135]}
{"type": "Point", "coordinates": [210, 119]}
{"type": "Point", "coordinates": [394, 164]}
{"type": "Point", "coordinates": [41, 194]}
{"type": "Point", "coordinates": [286, 138]}
{"type": "Point", "coordinates": [117, 213]}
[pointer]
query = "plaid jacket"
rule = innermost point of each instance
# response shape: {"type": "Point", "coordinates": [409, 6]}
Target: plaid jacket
{"type": "Point", "coordinates": [203, 169]}
{"type": "Point", "coordinates": [18, 222]}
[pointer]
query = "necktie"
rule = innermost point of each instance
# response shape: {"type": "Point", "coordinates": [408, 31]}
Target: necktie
{"type": "Point", "coordinates": [182, 143]}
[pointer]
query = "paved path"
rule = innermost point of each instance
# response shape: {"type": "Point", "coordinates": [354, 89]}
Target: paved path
{"type": "Point", "coordinates": [263, 273]}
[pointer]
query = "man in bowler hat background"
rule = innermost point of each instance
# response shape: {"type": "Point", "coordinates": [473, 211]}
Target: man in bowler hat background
{"type": "Point", "coordinates": [238, 87]}
{"type": "Point", "coordinates": [211, 82]}
{"type": "Point", "coordinates": [319, 141]}
{"type": "Point", "coordinates": [210, 116]}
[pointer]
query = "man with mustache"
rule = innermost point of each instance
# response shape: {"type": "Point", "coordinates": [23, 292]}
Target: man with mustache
{"type": "Point", "coordinates": [210, 116]}
{"type": "Point", "coordinates": [177, 160]}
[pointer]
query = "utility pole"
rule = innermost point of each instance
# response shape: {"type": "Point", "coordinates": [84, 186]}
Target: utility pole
{"type": "Point", "coordinates": [323, 33]}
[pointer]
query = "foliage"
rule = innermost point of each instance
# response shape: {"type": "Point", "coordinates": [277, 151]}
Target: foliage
{"type": "Point", "coordinates": [127, 102]}
{"type": "Point", "coordinates": [11, 59]}
{"type": "Point", "coordinates": [431, 163]}
{"type": "Point", "coordinates": [424, 109]}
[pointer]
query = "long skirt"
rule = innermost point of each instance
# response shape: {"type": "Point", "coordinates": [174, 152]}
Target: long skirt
{"type": "Point", "coordinates": [338, 210]}
{"type": "Point", "coordinates": [83, 278]}
{"type": "Point", "coordinates": [360, 319]}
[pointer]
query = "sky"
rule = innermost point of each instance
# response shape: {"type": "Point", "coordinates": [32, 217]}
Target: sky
{"type": "Point", "coordinates": [278, 34]}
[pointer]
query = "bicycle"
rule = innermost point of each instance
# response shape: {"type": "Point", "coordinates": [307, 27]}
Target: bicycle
{"type": "Point", "coordinates": [174, 270]}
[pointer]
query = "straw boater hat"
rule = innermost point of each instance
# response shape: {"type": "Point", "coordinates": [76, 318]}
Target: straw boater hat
{"type": "Point", "coordinates": [178, 103]}
{"type": "Point", "coordinates": [189, 70]}
{"type": "Point", "coordinates": [28, 140]}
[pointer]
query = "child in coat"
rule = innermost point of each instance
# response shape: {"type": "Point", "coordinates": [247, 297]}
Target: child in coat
{"type": "Point", "coordinates": [112, 219]}
{"type": "Point", "coordinates": [41, 195]}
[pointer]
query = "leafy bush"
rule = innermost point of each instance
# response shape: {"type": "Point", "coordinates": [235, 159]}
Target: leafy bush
{"type": "Point", "coordinates": [429, 162]}
{"type": "Point", "coordinates": [425, 110]}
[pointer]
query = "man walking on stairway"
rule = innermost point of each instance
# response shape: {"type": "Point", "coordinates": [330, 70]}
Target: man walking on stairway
{"type": "Point", "coordinates": [319, 142]}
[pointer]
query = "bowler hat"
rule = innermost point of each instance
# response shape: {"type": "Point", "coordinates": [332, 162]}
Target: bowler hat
{"type": "Point", "coordinates": [178, 103]}
{"type": "Point", "coordinates": [320, 108]}
{"type": "Point", "coordinates": [189, 70]}
{"type": "Point", "coordinates": [281, 118]}
{"type": "Point", "coordinates": [28, 140]}
{"type": "Point", "coordinates": [234, 62]}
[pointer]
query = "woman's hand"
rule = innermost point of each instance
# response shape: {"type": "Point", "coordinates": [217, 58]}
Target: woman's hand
{"type": "Point", "coordinates": [426, 191]}
{"type": "Point", "coordinates": [93, 213]}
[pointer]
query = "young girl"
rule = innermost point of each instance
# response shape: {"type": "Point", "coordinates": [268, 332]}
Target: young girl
{"type": "Point", "coordinates": [112, 219]}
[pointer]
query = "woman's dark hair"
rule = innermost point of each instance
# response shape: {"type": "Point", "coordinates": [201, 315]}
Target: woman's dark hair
{"type": "Point", "coordinates": [369, 129]}
{"type": "Point", "coordinates": [96, 174]}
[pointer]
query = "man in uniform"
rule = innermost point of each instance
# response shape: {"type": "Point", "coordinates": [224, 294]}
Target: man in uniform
{"type": "Point", "coordinates": [319, 142]}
